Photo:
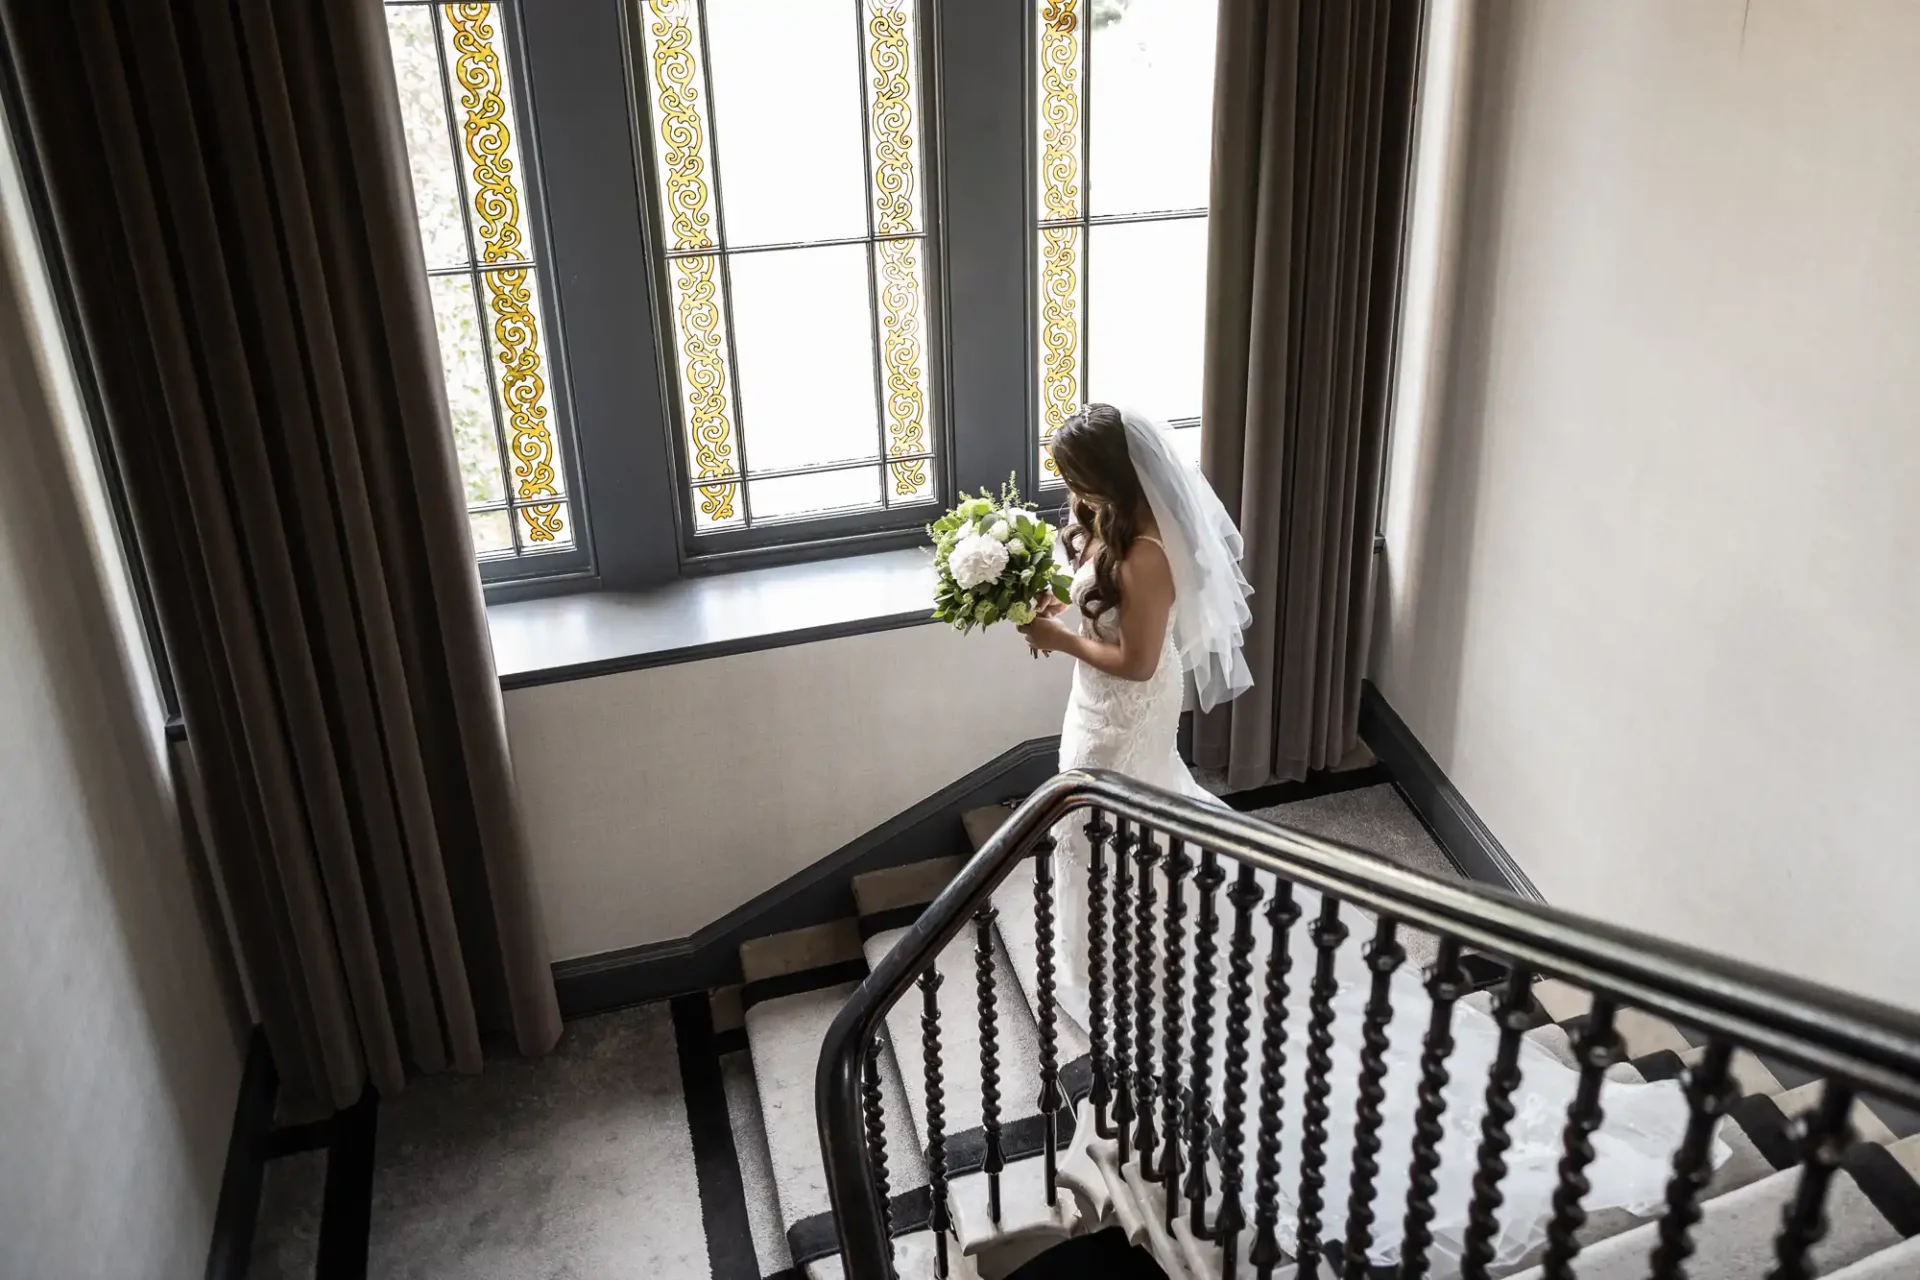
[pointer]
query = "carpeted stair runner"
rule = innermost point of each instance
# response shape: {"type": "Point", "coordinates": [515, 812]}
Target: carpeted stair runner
{"type": "Point", "coordinates": [1874, 1210]}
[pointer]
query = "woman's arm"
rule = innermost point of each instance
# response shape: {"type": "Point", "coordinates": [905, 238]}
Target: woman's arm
{"type": "Point", "coordinates": [1146, 584]}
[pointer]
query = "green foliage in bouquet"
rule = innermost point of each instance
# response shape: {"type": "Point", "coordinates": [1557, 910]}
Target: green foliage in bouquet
{"type": "Point", "coordinates": [996, 561]}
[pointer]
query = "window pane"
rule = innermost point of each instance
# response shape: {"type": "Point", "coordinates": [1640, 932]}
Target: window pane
{"type": "Point", "coordinates": [423, 113]}
{"type": "Point", "coordinates": [903, 358]}
{"type": "Point", "coordinates": [1186, 443]}
{"type": "Point", "coordinates": [893, 108]}
{"type": "Point", "coordinates": [1059, 115]}
{"type": "Point", "coordinates": [803, 332]}
{"type": "Point", "coordinates": [796, 497]}
{"type": "Point", "coordinates": [1150, 105]}
{"type": "Point", "coordinates": [683, 147]}
{"type": "Point", "coordinates": [489, 132]}
{"type": "Point", "coordinates": [492, 533]}
{"type": "Point", "coordinates": [787, 105]}
{"type": "Point", "coordinates": [1062, 271]}
{"type": "Point", "coordinates": [463, 358]}
{"type": "Point", "coordinates": [513, 336]}
{"type": "Point", "coordinates": [550, 518]}
{"type": "Point", "coordinates": [706, 409]}
{"type": "Point", "coordinates": [1146, 315]}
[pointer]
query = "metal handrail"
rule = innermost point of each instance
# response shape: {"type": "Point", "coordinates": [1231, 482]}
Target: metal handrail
{"type": "Point", "coordinates": [1873, 1046]}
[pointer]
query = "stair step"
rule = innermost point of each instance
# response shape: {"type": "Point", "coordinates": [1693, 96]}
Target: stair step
{"type": "Point", "coordinates": [982, 823]}
{"type": "Point", "coordinates": [912, 885]}
{"type": "Point", "coordinates": [1902, 1262]}
{"type": "Point", "coordinates": [1734, 1240]}
{"type": "Point", "coordinates": [756, 1163]}
{"type": "Point", "coordinates": [1024, 1211]}
{"type": "Point", "coordinates": [913, 1259]}
{"type": "Point", "coordinates": [1866, 1126]}
{"type": "Point", "coordinates": [784, 1036]}
{"type": "Point", "coordinates": [782, 955]}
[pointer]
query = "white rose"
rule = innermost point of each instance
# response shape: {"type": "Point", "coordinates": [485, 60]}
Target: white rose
{"type": "Point", "coordinates": [976, 561]}
{"type": "Point", "coordinates": [999, 532]}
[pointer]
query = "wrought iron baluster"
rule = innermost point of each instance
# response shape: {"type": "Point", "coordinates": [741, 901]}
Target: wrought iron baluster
{"type": "Point", "coordinates": [1384, 956]}
{"type": "Point", "coordinates": [1050, 1099]}
{"type": "Point", "coordinates": [1598, 1049]}
{"type": "Point", "coordinates": [1710, 1091]}
{"type": "Point", "coordinates": [989, 1053]}
{"type": "Point", "coordinates": [1199, 1103]}
{"type": "Point", "coordinates": [1446, 985]}
{"type": "Point", "coordinates": [1823, 1143]}
{"type": "Point", "coordinates": [1101, 1094]}
{"type": "Point", "coordinates": [1179, 867]}
{"type": "Point", "coordinates": [1328, 933]}
{"type": "Point", "coordinates": [877, 1136]}
{"type": "Point", "coordinates": [1282, 914]}
{"type": "Point", "coordinates": [1145, 1084]}
{"type": "Point", "coordinates": [1245, 896]}
{"type": "Point", "coordinates": [1483, 1215]}
{"type": "Point", "coordinates": [1123, 842]}
{"type": "Point", "coordinates": [938, 1220]}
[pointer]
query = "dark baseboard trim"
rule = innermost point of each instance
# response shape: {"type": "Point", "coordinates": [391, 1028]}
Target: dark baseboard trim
{"type": "Point", "coordinates": [815, 895]}
{"type": "Point", "coordinates": [238, 1209]}
{"type": "Point", "coordinates": [1457, 828]}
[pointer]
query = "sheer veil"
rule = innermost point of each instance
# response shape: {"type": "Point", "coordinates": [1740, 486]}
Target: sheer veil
{"type": "Point", "coordinates": [1204, 548]}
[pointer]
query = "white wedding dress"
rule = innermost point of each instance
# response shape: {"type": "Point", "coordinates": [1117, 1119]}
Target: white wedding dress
{"type": "Point", "coordinates": [1130, 726]}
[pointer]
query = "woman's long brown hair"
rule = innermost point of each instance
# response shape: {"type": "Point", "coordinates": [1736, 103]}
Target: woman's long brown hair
{"type": "Point", "coordinates": [1090, 449]}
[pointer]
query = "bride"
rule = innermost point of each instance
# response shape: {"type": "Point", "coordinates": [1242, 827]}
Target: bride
{"type": "Point", "coordinates": [1161, 598]}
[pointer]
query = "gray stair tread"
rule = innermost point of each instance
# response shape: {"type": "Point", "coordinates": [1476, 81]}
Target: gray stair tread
{"type": "Point", "coordinates": [982, 823]}
{"type": "Point", "coordinates": [912, 885]}
{"type": "Point", "coordinates": [1734, 1240]}
{"type": "Point", "coordinates": [913, 1259]}
{"type": "Point", "coordinates": [1901, 1262]}
{"type": "Point", "coordinates": [756, 1163]}
{"type": "Point", "coordinates": [1019, 934]}
{"type": "Point", "coordinates": [1019, 1038]}
{"type": "Point", "coordinates": [784, 1036]}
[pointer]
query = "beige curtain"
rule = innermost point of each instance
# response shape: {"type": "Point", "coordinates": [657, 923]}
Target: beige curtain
{"type": "Point", "coordinates": [232, 203]}
{"type": "Point", "coordinates": [1312, 116]}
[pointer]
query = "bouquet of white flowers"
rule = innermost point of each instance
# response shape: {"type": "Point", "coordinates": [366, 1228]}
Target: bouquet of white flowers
{"type": "Point", "coordinates": [995, 560]}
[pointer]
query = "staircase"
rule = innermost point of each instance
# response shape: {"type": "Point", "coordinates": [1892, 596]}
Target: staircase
{"type": "Point", "coordinates": [979, 1178]}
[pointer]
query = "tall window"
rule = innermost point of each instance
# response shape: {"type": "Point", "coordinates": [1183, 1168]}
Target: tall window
{"type": "Point", "coordinates": [791, 213]}
{"type": "Point", "coordinates": [457, 102]}
{"type": "Point", "coordinates": [1124, 124]}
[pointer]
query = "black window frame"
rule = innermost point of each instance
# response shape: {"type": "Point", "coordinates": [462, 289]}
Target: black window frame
{"type": "Point", "coordinates": [587, 135]}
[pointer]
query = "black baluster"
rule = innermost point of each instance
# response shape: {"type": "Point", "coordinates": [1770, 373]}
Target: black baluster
{"type": "Point", "coordinates": [1050, 1099]}
{"type": "Point", "coordinates": [877, 1137]}
{"type": "Point", "coordinates": [1101, 1094]}
{"type": "Point", "coordinates": [1483, 1215]}
{"type": "Point", "coordinates": [1710, 1091]}
{"type": "Point", "coordinates": [1599, 1048]}
{"type": "Point", "coordinates": [1123, 842]}
{"type": "Point", "coordinates": [1384, 956]}
{"type": "Point", "coordinates": [1205, 969]}
{"type": "Point", "coordinates": [1145, 1083]}
{"type": "Point", "coordinates": [1823, 1143]}
{"type": "Point", "coordinates": [989, 1053]}
{"type": "Point", "coordinates": [1446, 985]}
{"type": "Point", "coordinates": [1245, 896]}
{"type": "Point", "coordinates": [1282, 914]}
{"type": "Point", "coordinates": [938, 1221]}
{"type": "Point", "coordinates": [1179, 866]}
{"type": "Point", "coordinates": [1328, 934]}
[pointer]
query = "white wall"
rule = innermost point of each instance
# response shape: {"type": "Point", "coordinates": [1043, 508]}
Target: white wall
{"type": "Point", "coordinates": [659, 800]}
{"type": "Point", "coordinates": [1654, 535]}
{"type": "Point", "coordinates": [119, 1047]}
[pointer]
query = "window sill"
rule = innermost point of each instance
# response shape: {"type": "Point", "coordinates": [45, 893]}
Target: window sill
{"type": "Point", "coordinates": [576, 637]}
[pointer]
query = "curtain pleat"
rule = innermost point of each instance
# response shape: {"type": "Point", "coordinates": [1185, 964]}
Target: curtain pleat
{"type": "Point", "coordinates": [230, 186]}
{"type": "Point", "coordinates": [1312, 117]}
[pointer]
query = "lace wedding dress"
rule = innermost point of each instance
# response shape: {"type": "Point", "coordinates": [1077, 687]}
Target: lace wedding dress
{"type": "Point", "coordinates": [1130, 726]}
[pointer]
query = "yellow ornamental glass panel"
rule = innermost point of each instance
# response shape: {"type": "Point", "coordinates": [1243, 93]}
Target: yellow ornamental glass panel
{"type": "Point", "coordinates": [1061, 108]}
{"type": "Point", "coordinates": [893, 137]}
{"type": "Point", "coordinates": [1062, 267]}
{"type": "Point", "coordinates": [903, 356]}
{"type": "Point", "coordinates": [683, 161]}
{"type": "Point", "coordinates": [1060, 119]}
{"type": "Point", "coordinates": [894, 159]}
{"type": "Point", "coordinates": [484, 102]}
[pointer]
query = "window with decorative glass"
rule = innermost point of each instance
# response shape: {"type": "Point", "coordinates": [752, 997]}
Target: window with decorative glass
{"type": "Point", "coordinates": [458, 103]}
{"type": "Point", "coordinates": [1123, 128]}
{"type": "Point", "coordinates": [791, 218]}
